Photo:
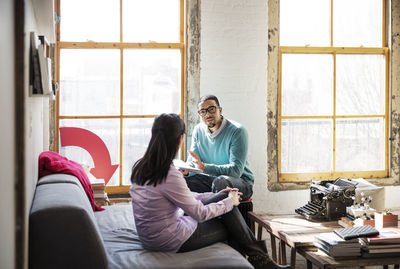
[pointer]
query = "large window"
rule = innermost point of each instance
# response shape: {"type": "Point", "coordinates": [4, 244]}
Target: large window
{"type": "Point", "coordinates": [120, 63]}
{"type": "Point", "coordinates": [333, 90]}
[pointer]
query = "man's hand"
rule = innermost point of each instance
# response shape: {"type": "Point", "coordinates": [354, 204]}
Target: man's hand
{"type": "Point", "coordinates": [228, 190]}
{"type": "Point", "coordinates": [184, 172]}
{"type": "Point", "coordinates": [196, 161]}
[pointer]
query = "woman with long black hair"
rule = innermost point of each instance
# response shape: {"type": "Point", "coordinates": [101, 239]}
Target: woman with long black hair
{"type": "Point", "coordinates": [160, 197]}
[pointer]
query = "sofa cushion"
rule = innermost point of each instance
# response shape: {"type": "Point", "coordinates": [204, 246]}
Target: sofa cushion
{"type": "Point", "coordinates": [124, 249]}
{"type": "Point", "coordinates": [62, 229]}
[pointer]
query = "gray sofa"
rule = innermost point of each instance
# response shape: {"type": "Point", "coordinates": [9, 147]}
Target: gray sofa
{"type": "Point", "coordinates": [64, 232]}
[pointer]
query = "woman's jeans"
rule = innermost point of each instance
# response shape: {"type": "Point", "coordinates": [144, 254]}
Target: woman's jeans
{"type": "Point", "coordinates": [205, 183]}
{"type": "Point", "coordinates": [229, 227]}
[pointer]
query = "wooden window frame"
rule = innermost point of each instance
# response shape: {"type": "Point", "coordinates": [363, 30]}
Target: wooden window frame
{"type": "Point", "coordinates": [390, 175]}
{"type": "Point", "coordinates": [120, 46]}
{"type": "Point", "coordinates": [304, 177]}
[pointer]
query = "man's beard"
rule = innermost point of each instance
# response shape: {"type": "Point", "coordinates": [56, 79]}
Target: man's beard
{"type": "Point", "coordinates": [210, 124]}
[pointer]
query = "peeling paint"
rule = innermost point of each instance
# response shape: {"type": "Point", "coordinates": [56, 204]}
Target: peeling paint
{"type": "Point", "coordinates": [52, 108]}
{"type": "Point", "coordinates": [193, 66]}
{"type": "Point", "coordinates": [395, 136]}
{"type": "Point", "coordinates": [272, 96]}
{"type": "Point", "coordinates": [395, 92]}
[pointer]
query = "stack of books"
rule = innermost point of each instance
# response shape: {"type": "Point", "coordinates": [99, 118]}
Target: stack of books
{"type": "Point", "coordinates": [386, 244]}
{"type": "Point", "coordinates": [336, 246]}
{"type": "Point", "coordinates": [99, 187]}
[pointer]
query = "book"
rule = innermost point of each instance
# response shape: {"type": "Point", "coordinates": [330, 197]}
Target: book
{"type": "Point", "coordinates": [179, 164]}
{"type": "Point", "coordinates": [380, 255]}
{"type": "Point", "coordinates": [356, 232]}
{"type": "Point", "coordinates": [385, 250]}
{"type": "Point", "coordinates": [98, 186]}
{"type": "Point", "coordinates": [98, 191]}
{"type": "Point", "coordinates": [45, 70]}
{"type": "Point", "coordinates": [382, 248]}
{"type": "Point", "coordinates": [333, 239]}
{"type": "Point", "coordinates": [97, 181]}
{"type": "Point", "coordinates": [36, 81]}
{"type": "Point", "coordinates": [379, 246]}
{"type": "Point", "coordinates": [386, 236]}
{"type": "Point", "coordinates": [100, 195]}
{"type": "Point", "coordinates": [338, 252]}
{"type": "Point", "coordinates": [335, 246]}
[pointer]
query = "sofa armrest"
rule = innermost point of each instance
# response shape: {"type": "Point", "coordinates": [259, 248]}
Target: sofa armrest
{"type": "Point", "coordinates": [62, 230]}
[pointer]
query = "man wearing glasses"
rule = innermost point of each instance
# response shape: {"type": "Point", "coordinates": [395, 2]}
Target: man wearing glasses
{"type": "Point", "coordinates": [219, 149]}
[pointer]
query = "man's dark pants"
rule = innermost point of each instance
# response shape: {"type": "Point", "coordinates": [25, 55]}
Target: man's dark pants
{"type": "Point", "coordinates": [206, 183]}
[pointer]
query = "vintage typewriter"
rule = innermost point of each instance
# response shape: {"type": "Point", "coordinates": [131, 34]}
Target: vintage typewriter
{"type": "Point", "coordinates": [329, 199]}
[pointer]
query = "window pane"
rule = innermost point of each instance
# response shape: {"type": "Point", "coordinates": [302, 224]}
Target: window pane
{"type": "Point", "coordinates": [360, 144]}
{"type": "Point", "coordinates": [304, 23]}
{"type": "Point", "coordinates": [107, 130]}
{"type": "Point", "coordinates": [90, 20]}
{"type": "Point", "coordinates": [151, 21]}
{"type": "Point", "coordinates": [137, 133]}
{"type": "Point", "coordinates": [306, 145]}
{"type": "Point", "coordinates": [360, 84]}
{"type": "Point", "coordinates": [357, 23]}
{"type": "Point", "coordinates": [152, 81]}
{"type": "Point", "coordinates": [89, 82]}
{"type": "Point", "coordinates": [307, 84]}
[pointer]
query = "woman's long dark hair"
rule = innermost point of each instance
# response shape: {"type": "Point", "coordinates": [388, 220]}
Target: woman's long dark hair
{"type": "Point", "coordinates": [153, 167]}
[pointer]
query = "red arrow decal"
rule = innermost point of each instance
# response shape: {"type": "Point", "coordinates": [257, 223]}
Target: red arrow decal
{"type": "Point", "coordinates": [72, 136]}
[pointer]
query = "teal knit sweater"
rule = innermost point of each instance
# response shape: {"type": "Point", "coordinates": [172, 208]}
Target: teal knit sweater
{"type": "Point", "coordinates": [225, 154]}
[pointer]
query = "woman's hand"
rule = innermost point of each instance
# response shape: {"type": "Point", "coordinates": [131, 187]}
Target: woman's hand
{"type": "Point", "coordinates": [235, 196]}
{"type": "Point", "coordinates": [196, 161]}
{"type": "Point", "coordinates": [229, 190]}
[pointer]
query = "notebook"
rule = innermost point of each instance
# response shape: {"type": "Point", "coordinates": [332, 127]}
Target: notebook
{"type": "Point", "coordinates": [355, 232]}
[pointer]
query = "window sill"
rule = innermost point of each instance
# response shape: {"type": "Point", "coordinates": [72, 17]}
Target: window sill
{"type": "Point", "coordinates": [286, 186]}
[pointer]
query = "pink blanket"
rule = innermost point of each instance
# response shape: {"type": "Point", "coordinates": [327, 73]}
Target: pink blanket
{"type": "Point", "coordinates": [53, 163]}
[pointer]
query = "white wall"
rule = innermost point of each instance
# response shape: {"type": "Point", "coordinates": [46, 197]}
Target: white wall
{"type": "Point", "coordinates": [36, 120]}
{"type": "Point", "coordinates": [392, 200]}
{"type": "Point", "coordinates": [36, 109]}
{"type": "Point", "coordinates": [7, 142]}
{"type": "Point", "coordinates": [234, 67]}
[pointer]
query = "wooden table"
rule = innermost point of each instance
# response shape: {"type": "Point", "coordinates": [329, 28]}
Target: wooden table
{"type": "Point", "coordinates": [323, 260]}
{"type": "Point", "coordinates": [298, 233]}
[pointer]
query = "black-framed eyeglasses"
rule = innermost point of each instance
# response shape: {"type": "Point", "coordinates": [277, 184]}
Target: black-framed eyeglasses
{"type": "Point", "coordinates": [210, 109]}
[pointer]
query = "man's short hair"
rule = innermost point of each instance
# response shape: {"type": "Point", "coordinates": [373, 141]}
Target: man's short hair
{"type": "Point", "coordinates": [208, 97]}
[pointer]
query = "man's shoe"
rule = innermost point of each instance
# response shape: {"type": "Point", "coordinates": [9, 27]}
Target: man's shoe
{"type": "Point", "coordinates": [264, 262]}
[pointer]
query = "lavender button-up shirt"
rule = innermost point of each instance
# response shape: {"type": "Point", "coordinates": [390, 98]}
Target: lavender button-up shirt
{"type": "Point", "coordinates": [159, 212]}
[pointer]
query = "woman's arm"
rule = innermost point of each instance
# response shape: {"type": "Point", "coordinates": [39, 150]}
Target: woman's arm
{"type": "Point", "coordinates": [176, 191]}
{"type": "Point", "coordinates": [202, 196]}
